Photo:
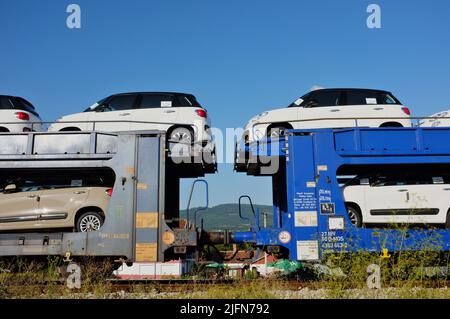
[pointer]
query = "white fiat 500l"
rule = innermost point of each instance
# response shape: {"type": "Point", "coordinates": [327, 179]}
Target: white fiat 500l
{"type": "Point", "coordinates": [18, 115]}
{"type": "Point", "coordinates": [441, 119]}
{"type": "Point", "coordinates": [179, 114]}
{"type": "Point", "coordinates": [414, 198]}
{"type": "Point", "coordinates": [331, 108]}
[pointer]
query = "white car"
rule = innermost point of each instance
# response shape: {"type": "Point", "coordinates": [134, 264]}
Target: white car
{"type": "Point", "coordinates": [331, 108]}
{"type": "Point", "coordinates": [440, 119]}
{"type": "Point", "coordinates": [18, 115]}
{"type": "Point", "coordinates": [178, 114]}
{"type": "Point", "coordinates": [414, 198]}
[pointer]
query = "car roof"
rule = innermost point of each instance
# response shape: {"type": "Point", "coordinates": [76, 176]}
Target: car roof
{"type": "Point", "coordinates": [168, 93]}
{"type": "Point", "coordinates": [17, 97]}
{"type": "Point", "coordinates": [351, 89]}
{"type": "Point", "coordinates": [9, 96]}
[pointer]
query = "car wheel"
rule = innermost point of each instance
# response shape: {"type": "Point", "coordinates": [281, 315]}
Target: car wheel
{"type": "Point", "coordinates": [354, 215]}
{"type": "Point", "coordinates": [181, 135]}
{"type": "Point", "coordinates": [277, 131]}
{"type": "Point", "coordinates": [90, 221]}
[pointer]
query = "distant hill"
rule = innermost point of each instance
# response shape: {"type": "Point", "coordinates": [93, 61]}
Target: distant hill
{"type": "Point", "coordinates": [226, 216]}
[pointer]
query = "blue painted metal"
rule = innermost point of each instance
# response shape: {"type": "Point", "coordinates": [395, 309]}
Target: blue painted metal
{"type": "Point", "coordinates": [312, 159]}
{"type": "Point", "coordinates": [244, 237]}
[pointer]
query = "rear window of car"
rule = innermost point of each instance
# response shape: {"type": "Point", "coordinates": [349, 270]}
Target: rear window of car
{"type": "Point", "coordinates": [167, 100]}
{"type": "Point", "coordinates": [5, 103]}
{"type": "Point", "coordinates": [12, 102]}
{"type": "Point", "coordinates": [149, 101]}
{"type": "Point", "coordinates": [367, 97]}
{"type": "Point", "coordinates": [22, 104]}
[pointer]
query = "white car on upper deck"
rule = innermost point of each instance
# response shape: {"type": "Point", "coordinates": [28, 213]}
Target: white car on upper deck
{"type": "Point", "coordinates": [441, 119]}
{"type": "Point", "coordinates": [18, 115]}
{"type": "Point", "coordinates": [330, 108]}
{"type": "Point", "coordinates": [178, 114]}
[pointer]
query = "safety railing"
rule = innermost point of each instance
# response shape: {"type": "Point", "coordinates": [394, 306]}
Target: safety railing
{"type": "Point", "coordinates": [46, 125]}
{"type": "Point", "coordinates": [58, 143]}
{"type": "Point", "coordinates": [415, 121]}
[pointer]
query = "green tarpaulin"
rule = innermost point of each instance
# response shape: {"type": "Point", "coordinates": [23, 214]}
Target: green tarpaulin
{"type": "Point", "coordinates": [286, 265]}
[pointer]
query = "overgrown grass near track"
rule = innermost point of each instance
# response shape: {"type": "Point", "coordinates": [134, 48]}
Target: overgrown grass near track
{"type": "Point", "coordinates": [405, 275]}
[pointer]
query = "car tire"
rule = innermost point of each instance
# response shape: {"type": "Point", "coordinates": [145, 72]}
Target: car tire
{"type": "Point", "coordinates": [89, 221]}
{"type": "Point", "coordinates": [181, 135]}
{"type": "Point", "coordinates": [354, 214]}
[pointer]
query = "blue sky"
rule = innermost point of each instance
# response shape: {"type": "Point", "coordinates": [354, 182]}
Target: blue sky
{"type": "Point", "coordinates": [238, 57]}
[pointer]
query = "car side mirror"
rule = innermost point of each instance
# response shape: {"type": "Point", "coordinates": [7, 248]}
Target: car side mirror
{"type": "Point", "coordinates": [11, 188]}
{"type": "Point", "coordinates": [101, 108]}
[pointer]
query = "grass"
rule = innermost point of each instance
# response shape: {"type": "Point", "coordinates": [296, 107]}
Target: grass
{"type": "Point", "coordinates": [403, 275]}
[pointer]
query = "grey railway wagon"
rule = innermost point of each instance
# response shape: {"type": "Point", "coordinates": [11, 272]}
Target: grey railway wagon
{"type": "Point", "coordinates": [142, 222]}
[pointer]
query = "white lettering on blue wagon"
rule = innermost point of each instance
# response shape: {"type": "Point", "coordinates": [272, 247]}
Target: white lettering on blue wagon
{"type": "Point", "coordinates": [307, 250]}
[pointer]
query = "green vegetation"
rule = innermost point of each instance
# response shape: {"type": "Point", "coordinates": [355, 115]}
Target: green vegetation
{"type": "Point", "coordinates": [226, 216]}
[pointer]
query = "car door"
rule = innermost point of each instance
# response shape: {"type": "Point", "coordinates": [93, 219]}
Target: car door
{"type": "Point", "coordinates": [387, 200]}
{"type": "Point", "coordinates": [322, 110]}
{"type": "Point", "coordinates": [160, 111]}
{"type": "Point", "coordinates": [428, 199]}
{"type": "Point", "coordinates": [19, 208]}
{"type": "Point", "coordinates": [115, 114]}
{"type": "Point", "coordinates": [58, 205]}
{"type": "Point", "coordinates": [364, 106]}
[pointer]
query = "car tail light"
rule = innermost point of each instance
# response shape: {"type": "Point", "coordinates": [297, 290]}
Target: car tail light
{"type": "Point", "coordinates": [406, 111]}
{"type": "Point", "coordinates": [109, 191]}
{"type": "Point", "coordinates": [23, 116]}
{"type": "Point", "coordinates": [201, 113]}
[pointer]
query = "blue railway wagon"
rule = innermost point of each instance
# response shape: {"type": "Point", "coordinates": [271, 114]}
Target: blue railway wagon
{"type": "Point", "coordinates": [310, 216]}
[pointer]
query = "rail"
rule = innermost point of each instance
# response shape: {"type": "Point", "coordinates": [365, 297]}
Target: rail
{"type": "Point", "coordinates": [356, 120]}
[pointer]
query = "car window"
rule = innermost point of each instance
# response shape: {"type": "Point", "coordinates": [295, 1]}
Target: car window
{"type": "Point", "coordinates": [387, 181]}
{"type": "Point", "coordinates": [5, 103]}
{"type": "Point", "coordinates": [149, 101]}
{"type": "Point", "coordinates": [22, 185]}
{"type": "Point", "coordinates": [368, 97]}
{"type": "Point", "coordinates": [185, 100]}
{"type": "Point", "coordinates": [301, 101]}
{"type": "Point", "coordinates": [325, 98]}
{"type": "Point", "coordinates": [120, 102]}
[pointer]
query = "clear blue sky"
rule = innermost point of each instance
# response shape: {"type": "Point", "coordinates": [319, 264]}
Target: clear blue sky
{"type": "Point", "coordinates": [238, 57]}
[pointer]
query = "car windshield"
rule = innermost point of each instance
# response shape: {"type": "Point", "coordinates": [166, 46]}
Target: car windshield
{"type": "Point", "coordinates": [93, 106]}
